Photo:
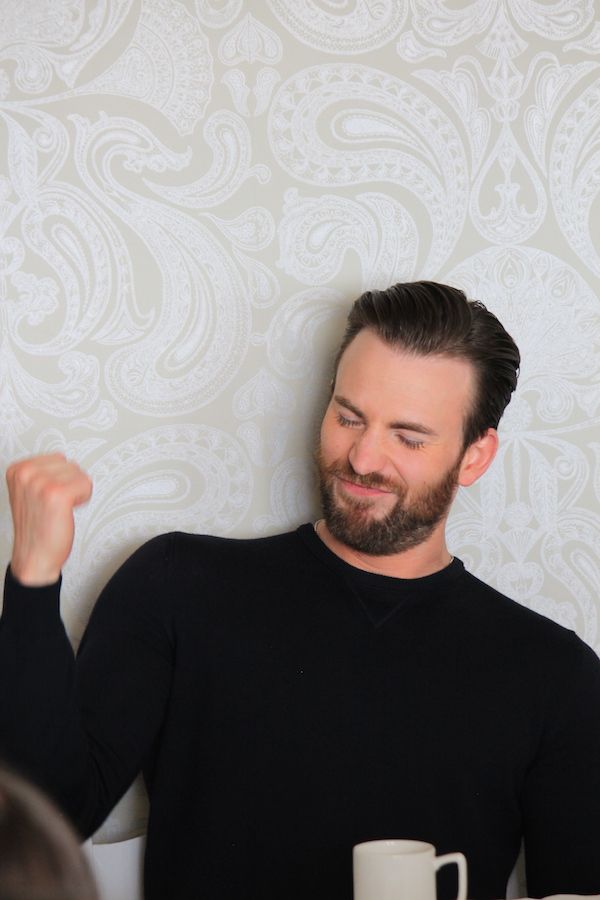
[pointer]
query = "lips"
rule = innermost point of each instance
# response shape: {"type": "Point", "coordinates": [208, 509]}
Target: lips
{"type": "Point", "coordinates": [362, 490]}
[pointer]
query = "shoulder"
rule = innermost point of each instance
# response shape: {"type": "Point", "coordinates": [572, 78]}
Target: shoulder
{"type": "Point", "coordinates": [177, 547]}
{"type": "Point", "coordinates": [481, 601]}
{"type": "Point", "coordinates": [172, 572]}
{"type": "Point", "coordinates": [192, 551]}
{"type": "Point", "coordinates": [170, 563]}
{"type": "Point", "coordinates": [522, 633]}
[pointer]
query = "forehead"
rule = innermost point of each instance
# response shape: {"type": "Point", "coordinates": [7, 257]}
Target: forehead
{"type": "Point", "coordinates": [436, 390]}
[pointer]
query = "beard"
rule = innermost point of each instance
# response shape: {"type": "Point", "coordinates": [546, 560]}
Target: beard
{"type": "Point", "coordinates": [408, 523]}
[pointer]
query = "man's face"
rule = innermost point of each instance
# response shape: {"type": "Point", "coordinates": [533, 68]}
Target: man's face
{"type": "Point", "coordinates": [392, 445]}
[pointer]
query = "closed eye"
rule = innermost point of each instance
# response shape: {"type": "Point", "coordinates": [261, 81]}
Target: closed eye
{"type": "Point", "coordinates": [345, 422]}
{"type": "Point", "coordinates": [411, 444]}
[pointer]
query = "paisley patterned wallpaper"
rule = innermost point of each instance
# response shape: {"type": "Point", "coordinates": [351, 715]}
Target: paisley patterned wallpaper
{"type": "Point", "coordinates": [191, 193]}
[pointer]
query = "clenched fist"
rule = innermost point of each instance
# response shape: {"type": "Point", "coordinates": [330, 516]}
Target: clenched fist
{"type": "Point", "coordinates": [44, 491]}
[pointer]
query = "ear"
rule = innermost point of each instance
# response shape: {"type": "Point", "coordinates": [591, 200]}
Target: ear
{"type": "Point", "coordinates": [478, 458]}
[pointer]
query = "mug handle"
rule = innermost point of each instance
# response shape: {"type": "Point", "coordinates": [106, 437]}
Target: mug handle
{"type": "Point", "coordinates": [461, 862]}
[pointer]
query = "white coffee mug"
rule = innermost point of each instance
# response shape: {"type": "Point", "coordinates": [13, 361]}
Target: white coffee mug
{"type": "Point", "coordinates": [401, 870]}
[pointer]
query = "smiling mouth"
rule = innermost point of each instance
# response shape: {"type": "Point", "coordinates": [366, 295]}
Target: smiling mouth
{"type": "Point", "coordinates": [360, 490]}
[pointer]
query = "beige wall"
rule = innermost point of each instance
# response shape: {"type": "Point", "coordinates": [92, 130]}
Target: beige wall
{"type": "Point", "coordinates": [190, 195]}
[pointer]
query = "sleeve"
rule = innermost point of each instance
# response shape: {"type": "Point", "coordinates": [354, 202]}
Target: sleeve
{"type": "Point", "coordinates": [82, 729]}
{"type": "Point", "coordinates": [561, 801]}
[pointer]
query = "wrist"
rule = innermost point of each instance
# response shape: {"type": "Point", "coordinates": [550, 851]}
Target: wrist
{"type": "Point", "coordinates": [33, 573]}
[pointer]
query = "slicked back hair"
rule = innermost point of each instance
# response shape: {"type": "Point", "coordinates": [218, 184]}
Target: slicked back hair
{"type": "Point", "coordinates": [425, 318]}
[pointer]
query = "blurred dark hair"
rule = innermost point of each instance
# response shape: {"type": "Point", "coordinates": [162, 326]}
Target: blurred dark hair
{"type": "Point", "coordinates": [40, 856]}
{"type": "Point", "coordinates": [426, 318]}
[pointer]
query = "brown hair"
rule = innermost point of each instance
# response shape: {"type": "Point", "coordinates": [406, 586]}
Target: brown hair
{"type": "Point", "coordinates": [427, 318]}
{"type": "Point", "coordinates": [40, 857]}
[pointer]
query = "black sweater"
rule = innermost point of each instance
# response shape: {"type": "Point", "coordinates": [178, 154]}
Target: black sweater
{"type": "Point", "coordinates": [284, 706]}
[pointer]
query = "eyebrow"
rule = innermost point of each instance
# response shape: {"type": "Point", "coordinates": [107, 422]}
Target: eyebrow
{"type": "Point", "coordinates": [402, 425]}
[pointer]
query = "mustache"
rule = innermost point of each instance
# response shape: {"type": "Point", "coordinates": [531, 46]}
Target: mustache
{"type": "Point", "coordinates": [370, 480]}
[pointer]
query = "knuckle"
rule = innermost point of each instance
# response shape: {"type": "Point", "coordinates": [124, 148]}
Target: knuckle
{"type": "Point", "coordinates": [50, 479]}
{"type": "Point", "coordinates": [50, 490]}
{"type": "Point", "coordinates": [20, 473]}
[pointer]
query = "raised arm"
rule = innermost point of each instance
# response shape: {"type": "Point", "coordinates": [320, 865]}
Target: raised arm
{"type": "Point", "coordinates": [81, 730]}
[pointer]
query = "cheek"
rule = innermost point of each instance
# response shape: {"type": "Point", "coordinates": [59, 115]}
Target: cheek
{"type": "Point", "coordinates": [430, 473]}
{"type": "Point", "coordinates": [333, 440]}
{"type": "Point", "coordinates": [414, 469]}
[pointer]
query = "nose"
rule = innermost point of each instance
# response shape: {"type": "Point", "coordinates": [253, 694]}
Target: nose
{"type": "Point", "coordinates": [366, 454]}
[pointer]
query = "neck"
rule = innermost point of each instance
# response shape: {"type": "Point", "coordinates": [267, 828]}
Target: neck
{"type": "Point", "coordinates": [416, 562]}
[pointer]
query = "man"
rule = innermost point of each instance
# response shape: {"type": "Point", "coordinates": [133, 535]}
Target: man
{"type": "Point", "coordinates": [288, 697]}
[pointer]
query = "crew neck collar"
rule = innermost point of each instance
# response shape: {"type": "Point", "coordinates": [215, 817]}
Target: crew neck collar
{"type": "Point", "coordinates": [434, 581]}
